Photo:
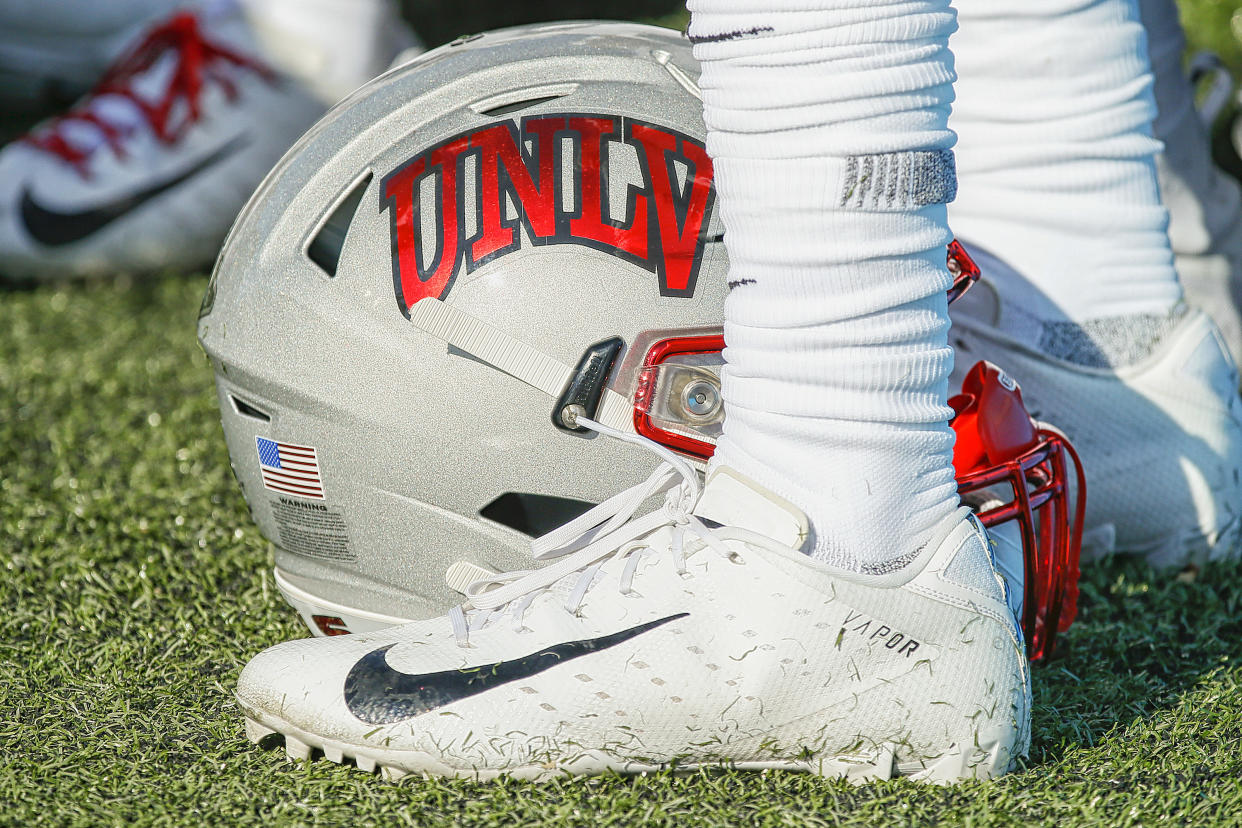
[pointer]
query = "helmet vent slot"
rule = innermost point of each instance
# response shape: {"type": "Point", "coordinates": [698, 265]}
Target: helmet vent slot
{"type": "Point", "coordinates": [516, 100]}
{"type": "Point", "coordinates": [505, 109]}
{"type": "Point", "coordinates": [328, 240]}
{"type": "Point", "coordinates": [247, 410]}
{"type": "Point", "coordinates": [533, 514]}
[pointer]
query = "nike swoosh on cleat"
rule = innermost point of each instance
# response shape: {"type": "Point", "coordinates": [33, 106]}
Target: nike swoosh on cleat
{"type": "Point", "coordinates": [54, 228]}
{"type": "Point", "coordinates": [377, 694]}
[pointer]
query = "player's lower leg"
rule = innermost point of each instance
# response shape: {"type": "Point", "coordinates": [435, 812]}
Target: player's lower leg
{"type": "Point", "coordinates": [1058, 195]}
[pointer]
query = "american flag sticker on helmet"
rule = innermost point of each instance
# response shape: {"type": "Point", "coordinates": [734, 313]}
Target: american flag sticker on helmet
{"type": "Point", "coordinates": [290, 469]}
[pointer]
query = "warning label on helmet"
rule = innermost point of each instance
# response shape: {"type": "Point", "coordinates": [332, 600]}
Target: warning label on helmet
{"type": "Point", "coordinates": [312, 529]}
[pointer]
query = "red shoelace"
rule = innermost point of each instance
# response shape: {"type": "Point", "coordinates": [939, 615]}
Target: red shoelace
{"type": "Point", "coordinates": [198, 60]}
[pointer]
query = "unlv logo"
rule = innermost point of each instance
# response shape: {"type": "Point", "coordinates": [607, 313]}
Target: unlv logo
{"type": "Point", "coordinates": [476, 174]}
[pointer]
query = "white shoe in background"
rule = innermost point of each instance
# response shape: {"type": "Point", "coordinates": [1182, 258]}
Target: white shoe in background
{"type": "Point", "coordinates": [1160, 438]}
{"type": "Point", "coordinates": [149, 170]}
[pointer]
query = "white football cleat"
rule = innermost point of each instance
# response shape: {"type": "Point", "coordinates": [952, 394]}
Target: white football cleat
{"type": "Point", "coordinates": [150, 169]}
{"type": "Point", "coordinates": [696, 635]}
{"type": "Point", "coordinates": [54, 50]}
{"type": "Point", "coordinates": [1160, 440]}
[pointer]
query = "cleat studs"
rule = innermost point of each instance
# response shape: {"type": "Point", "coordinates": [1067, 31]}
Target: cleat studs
{"type": "Point", "coordinates": [256, 732]}
{"type": "Point", "coordinates": [392, 774]}
{"type": "Point", "coordinates": [365, 763]}
{"type": "Point", "coordinates": [333, 754]}
{"type": "Point", "coordinates": [296, 749]}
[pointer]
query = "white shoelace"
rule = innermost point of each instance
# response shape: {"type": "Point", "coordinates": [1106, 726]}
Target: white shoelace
{"type": "Point", "coordinates": [586, 543]}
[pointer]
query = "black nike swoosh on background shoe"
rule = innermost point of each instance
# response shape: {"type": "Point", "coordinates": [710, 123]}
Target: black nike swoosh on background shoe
{"type": "Point", "coordinates": [377, 694]}
{"type": "Point", "coordinates": [54, 228]}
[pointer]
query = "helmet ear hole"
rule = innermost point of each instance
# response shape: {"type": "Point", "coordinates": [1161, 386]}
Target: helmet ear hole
{"type": "Point", "coordinates": [326, 243]}
{"type": "Point", "coordinates": [247, 410]}
{"type": "Point", "coordinates": [533, 514]}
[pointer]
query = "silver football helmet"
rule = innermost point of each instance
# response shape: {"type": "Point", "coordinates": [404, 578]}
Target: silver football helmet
{"type": "Point", "coordinates": [476, 246]}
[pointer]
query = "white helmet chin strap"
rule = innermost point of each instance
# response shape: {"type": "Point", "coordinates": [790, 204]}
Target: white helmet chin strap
{"type": "Point", "coordinates": [512, 356]}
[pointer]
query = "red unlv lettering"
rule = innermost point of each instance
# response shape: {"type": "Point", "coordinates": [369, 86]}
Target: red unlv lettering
{"type": "Point", "coordinates": [662, 230]}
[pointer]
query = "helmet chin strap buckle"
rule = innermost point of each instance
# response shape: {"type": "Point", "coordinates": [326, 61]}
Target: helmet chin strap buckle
{"type": "Point", "coordinates": [585, 388]}
{"type": "Point", "coordinates": [523, 362]}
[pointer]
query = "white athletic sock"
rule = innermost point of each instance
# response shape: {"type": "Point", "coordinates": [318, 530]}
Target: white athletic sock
{"type": "Point", "coordinates": [1056, 172]}
{"type": "Point", "coordinates": [1204, 203]}
{"type": "Point", "coordinates": [1166, 44]}
{"type": "Point", "coordinates": [827, 125]}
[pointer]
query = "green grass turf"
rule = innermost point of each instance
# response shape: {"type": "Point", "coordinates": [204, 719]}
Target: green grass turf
{"type": "Point", "coordinates": [133, 587]}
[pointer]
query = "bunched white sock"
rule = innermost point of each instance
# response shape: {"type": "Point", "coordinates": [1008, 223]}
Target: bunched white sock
{"type": "Point", "coordinates": [1204, 203]}
{"type": "Point", "coordinates": [827, 125]}
{"type": "Point", "coordinates": [1056, 175]}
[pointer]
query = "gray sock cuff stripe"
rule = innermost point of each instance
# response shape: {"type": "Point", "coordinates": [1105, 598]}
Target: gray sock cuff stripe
{"type": "Point", "coordinates": [1111, 342]}
{"type": "Point", "coordinates": [898, 180]}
